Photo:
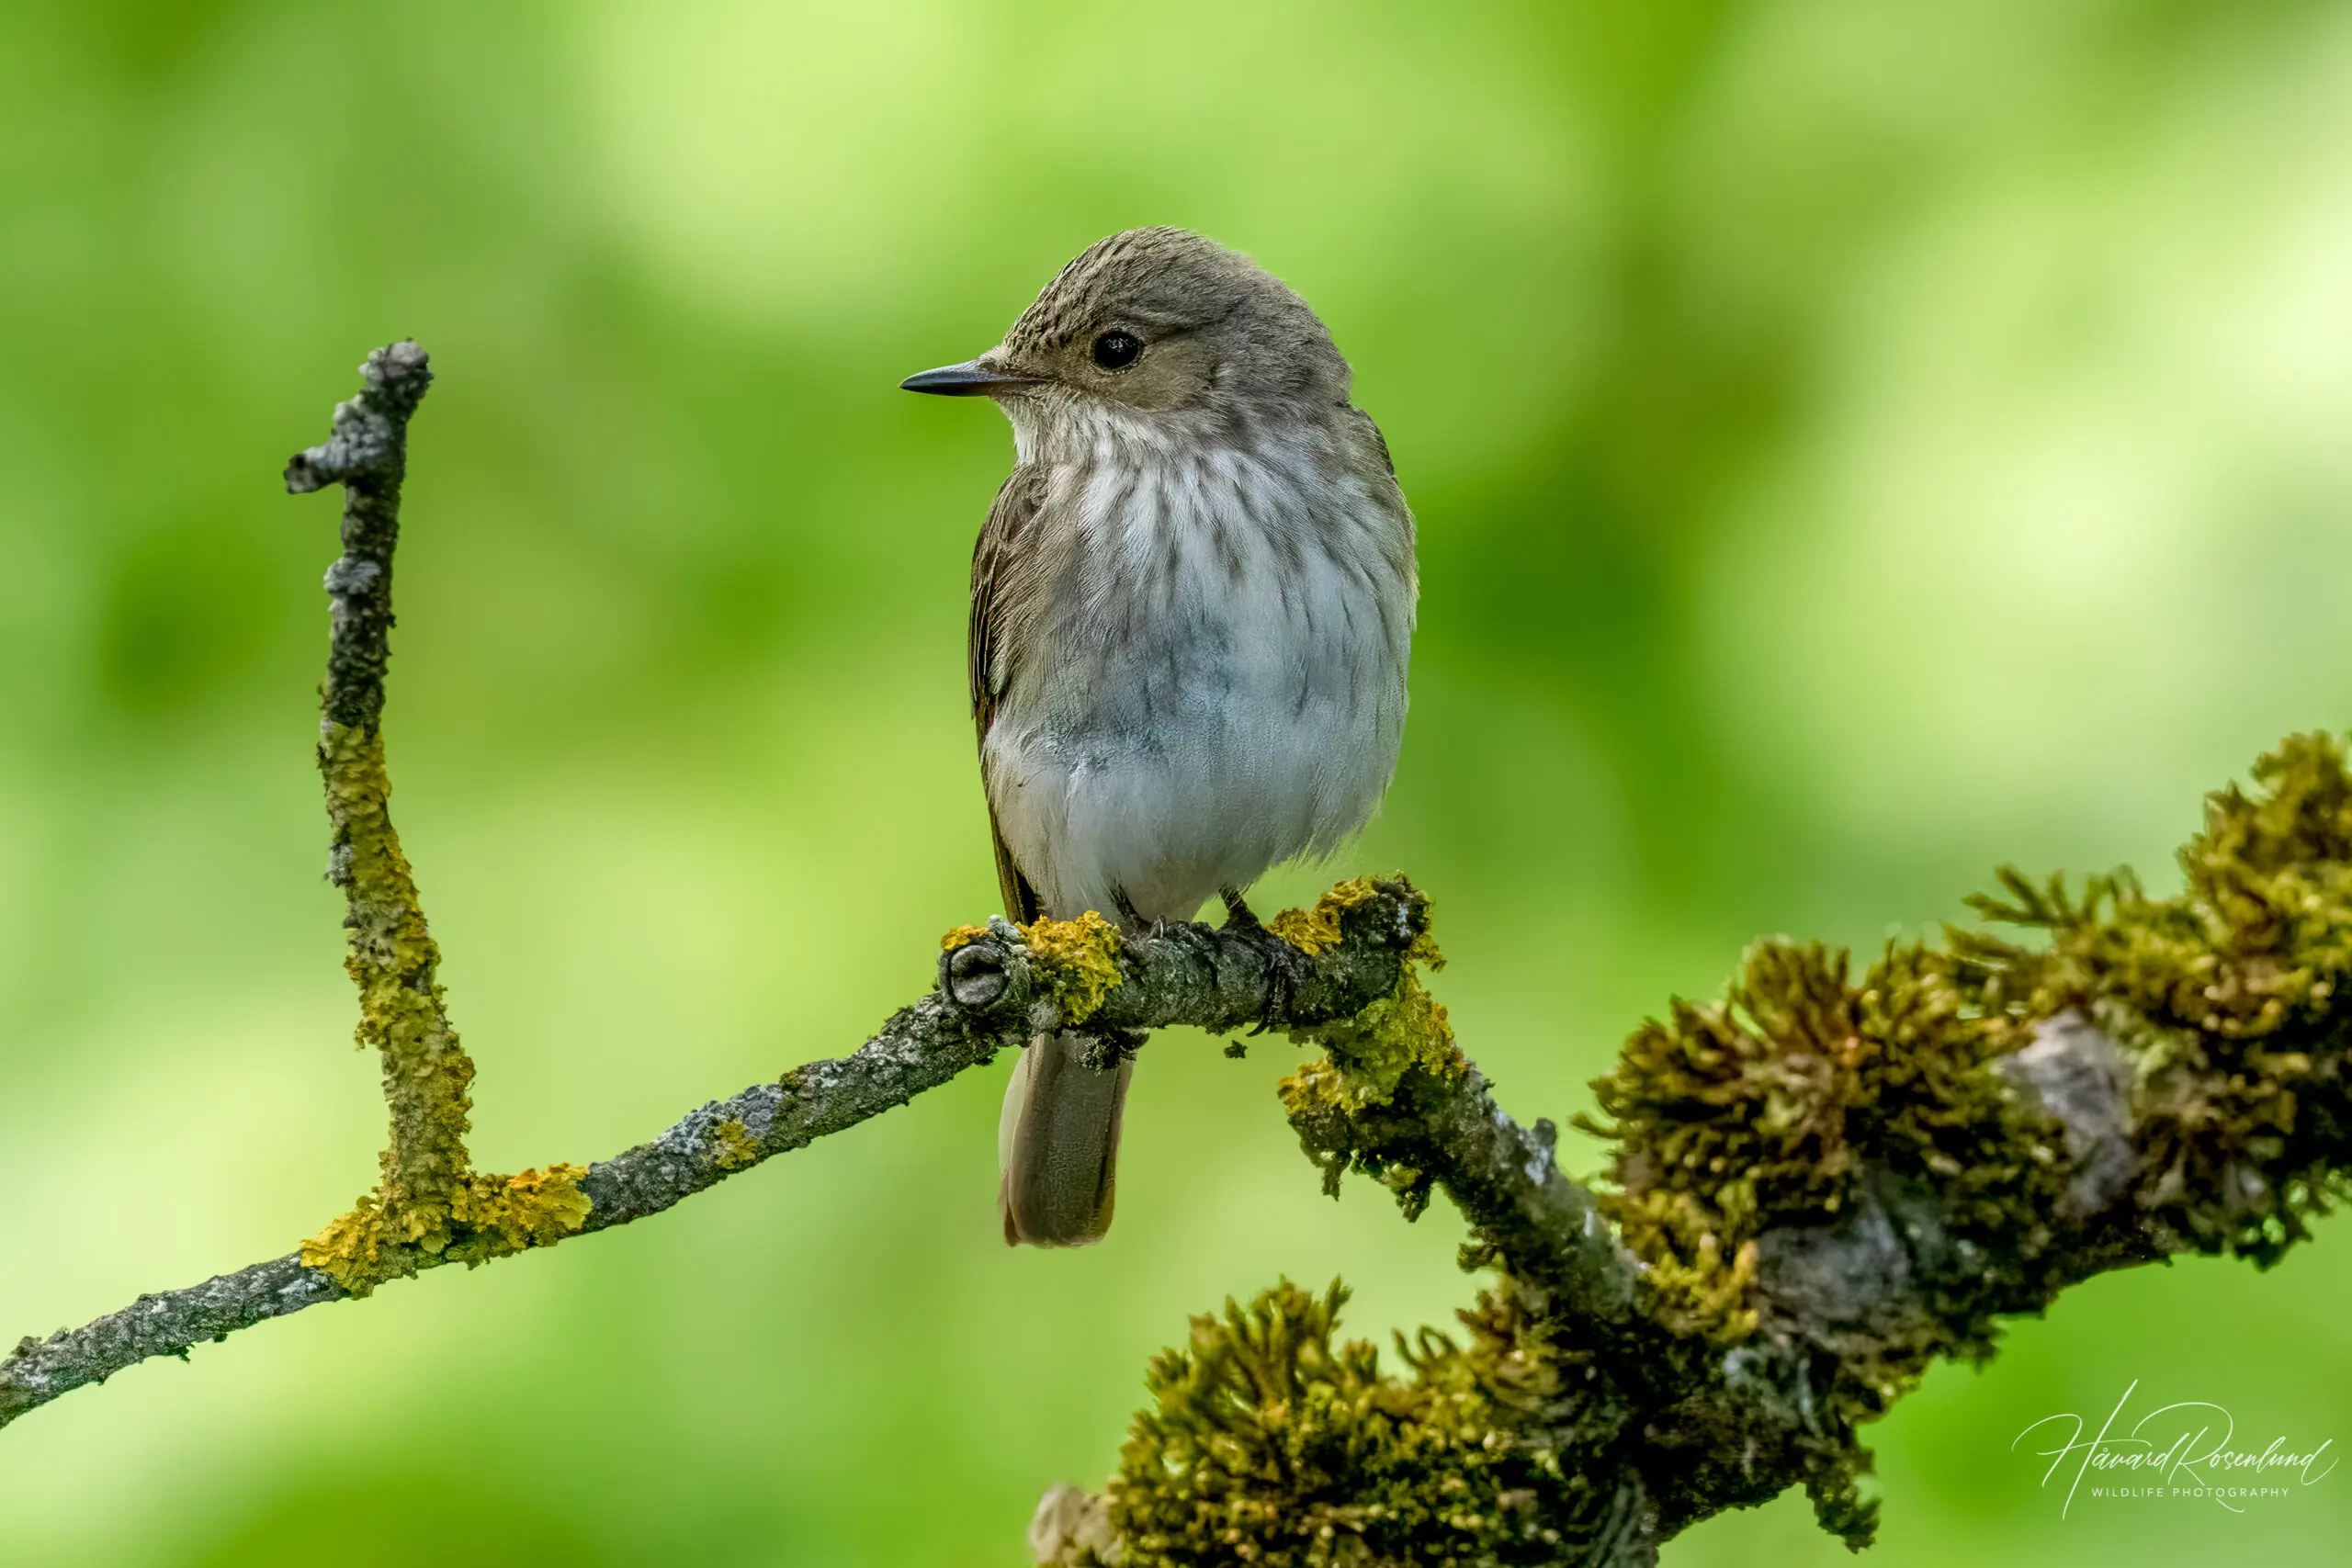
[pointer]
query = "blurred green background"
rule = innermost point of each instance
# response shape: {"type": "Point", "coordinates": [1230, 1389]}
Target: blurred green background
{"type": "Point", "coordinates": [1855, 441]}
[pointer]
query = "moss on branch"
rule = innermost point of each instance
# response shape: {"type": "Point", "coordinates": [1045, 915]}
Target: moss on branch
{"type": "Point", "coordinates": [1270, 1442]}
{"type": "Point", "coordinates": [1778, 1105]}
{"type": "Point", "coordinates": [1807, 1092]}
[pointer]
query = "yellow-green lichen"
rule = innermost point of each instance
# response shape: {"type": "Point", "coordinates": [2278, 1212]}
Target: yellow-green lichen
{"type": "Point", "coordinates": [961, 936]}
{"type": "Point", "coordinates": [1078, 961]}
{"type": "Point", "coordinates": [1365, 1057]}
{"type": "Point", "coordinates": [392, 960]}
{"type": "Point", "coordinates": [351, 1250]}
{"type": "Point", "coordinates": [491, 1216]}
{"type": "Point", "coordinates": [1314, 931]}
{"type": "Point", "coordinates": [736, 1149]}
{"type": "Point", "coordinates": [1369, 1060]}
{"type": "Point", "coordinates": [505, 1214]}
{"type": "Point", "coordinates": [430, 1205]}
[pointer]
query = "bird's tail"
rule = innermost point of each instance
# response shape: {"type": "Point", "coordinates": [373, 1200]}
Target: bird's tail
{"type": "Point", "coordinates": [1058, 1143]}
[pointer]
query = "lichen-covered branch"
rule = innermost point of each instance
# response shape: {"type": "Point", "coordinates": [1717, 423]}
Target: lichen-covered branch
{"type": "Point", "coordinates": [993, 982]}
{"type": "Point", "coordinates": [1827, 1180]}
{"type": "Point", "coordinates": [430, 1203]}
{"type": "Point", "coordinates": [996, 985]}
{"type": "Point", "coordinates": [1393, 1097]}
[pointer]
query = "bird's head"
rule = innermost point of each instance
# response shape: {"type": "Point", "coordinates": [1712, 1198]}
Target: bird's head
{"type": "Point", "coordinates": [1159, 334]}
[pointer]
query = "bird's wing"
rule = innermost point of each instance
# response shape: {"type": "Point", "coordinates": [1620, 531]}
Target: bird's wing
{"type": "Point", "coordinates": [1016, 507]}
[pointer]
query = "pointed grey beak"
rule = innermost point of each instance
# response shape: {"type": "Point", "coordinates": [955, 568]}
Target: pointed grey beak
{"type": "Point", "coordinates": [973, 379]}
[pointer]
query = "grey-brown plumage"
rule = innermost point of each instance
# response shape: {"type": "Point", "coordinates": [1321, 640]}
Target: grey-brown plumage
{"type": "Point", "coordinates": [1191, 615]}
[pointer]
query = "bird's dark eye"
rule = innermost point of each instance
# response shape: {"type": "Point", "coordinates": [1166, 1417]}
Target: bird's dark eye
{"type": "Point", "coordinates": [1116, 351]}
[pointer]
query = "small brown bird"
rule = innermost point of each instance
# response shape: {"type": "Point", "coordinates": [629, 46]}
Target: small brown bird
{"type": "Point", "coordinates": [1191, 613]}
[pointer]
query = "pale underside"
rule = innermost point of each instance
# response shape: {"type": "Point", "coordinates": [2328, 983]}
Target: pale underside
{"type": "Point", "coordinates": [1194, 663]}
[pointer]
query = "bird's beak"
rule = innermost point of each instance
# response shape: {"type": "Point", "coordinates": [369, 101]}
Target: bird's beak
{"type": "Point", "coordinates": [973, 379]}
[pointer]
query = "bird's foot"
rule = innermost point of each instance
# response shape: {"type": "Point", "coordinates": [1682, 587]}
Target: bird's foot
{"type": "Point", "coordinates": [1131, 919]}
{"type": "Point", "coordinates": [1286, 967]}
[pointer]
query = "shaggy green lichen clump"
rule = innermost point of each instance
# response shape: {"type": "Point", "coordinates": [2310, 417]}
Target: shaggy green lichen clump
{"type": "Point", "coordinates": [1767, 1108]}
{"type": "Point", "coordinates": [1771, 1107]}
{"type": "Point", "coordinates": [1269, 1444]}
{"type": "Point", "coordinates": [2231, 997]}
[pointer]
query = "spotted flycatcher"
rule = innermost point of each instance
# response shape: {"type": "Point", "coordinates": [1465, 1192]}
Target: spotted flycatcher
{"type": "Point", "coordinates": [1192, 612]}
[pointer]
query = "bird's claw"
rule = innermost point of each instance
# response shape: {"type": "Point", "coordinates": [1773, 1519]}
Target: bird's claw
{"type": "Point", "coordinates": [1131, 920]}
{"type": "Point", "coordinates": [1286, 967]}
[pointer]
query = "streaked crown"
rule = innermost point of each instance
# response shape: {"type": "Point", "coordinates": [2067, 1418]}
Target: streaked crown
{"type": "Point", "coordinates": [1162, 317]}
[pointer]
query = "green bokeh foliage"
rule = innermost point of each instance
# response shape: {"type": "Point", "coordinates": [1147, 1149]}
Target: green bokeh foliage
{"type": "Point", "coordinates": [1854, 443]}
